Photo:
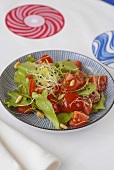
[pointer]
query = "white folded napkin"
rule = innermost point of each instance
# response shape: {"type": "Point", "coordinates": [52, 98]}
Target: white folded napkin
{"type": "Point", "coordinates": [29, 154]}
{"type": "Point", "coordinates": [7, 162]}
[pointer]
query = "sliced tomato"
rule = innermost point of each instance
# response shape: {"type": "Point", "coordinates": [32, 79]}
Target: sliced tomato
{"type": "Point", "coordinates": [78, 64]}
{"type": "Point", "coordinates": [72, 102]}
{"type": "Point", "coordinates": [80, 76]}
{"type": "Point", "coordinates": [79, 81]}
{"type": "Point", "coordinates": [24, 109]}
{"type": "Point", "coordinates": [94, 80]}
{"type": "Point", "coordinates": [100, 82]}
{"type": "Point", "coordinates": [87, 106]}
{"type": "Point", "coordinates": [50, 97]}
{"type": "Point", "coordinates": [56, 89]}
{"type": "Point", "coordinates": [66, 88]}
{"type": "Point", "coordinates": [34, 88]}
{"type": "Point", "coordinates": [56, 105]}
{"type": "Point", "coordinates": [79, 119]}
{"type": "Point", "coordinates": [68, 77]}
{"type": "Point", "coordinates": [29, 76]}
{"type": "Point", "coordinates": [45, 59]}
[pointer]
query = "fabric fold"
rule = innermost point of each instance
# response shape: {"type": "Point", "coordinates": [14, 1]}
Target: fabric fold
{"type": "Point", "coordinates": [7, 162]}
{"type": "Point", "coordinates": [30, 155]}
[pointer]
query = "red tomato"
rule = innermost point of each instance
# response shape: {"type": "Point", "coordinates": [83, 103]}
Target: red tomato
{"type": "Point", "coordinates": [56, 105]}
{"type": "Point", "coordinates": [29, 76]}
{"type": "Point", "coordinates": [79, 119]}
{"type": "Point", "coordinates": [80, 77]}
{"type": "Point", "coordinates": [79, 81]}
{"type": "Point", "coordinates": [56, 89]}
{"type": "Point", "coordinates": [100, 82]}
{"type": "Point", "coordinates": [34, 88]}
{"type": "Point", "coordinates": [78, 64]}
{"type": "Point", "coordinates": [50, 97]}
{"type": "Point", "coordinates": [94, 80]}
{"type": "Point", "coordinates": [68, 77]}
{"type": "Point", "coordinates": [72, 102]}
{"type": "Point", "coordinates": [103, 80]}
{"type": "Point", "coordinates": [87, 106]}
{"type": "Point", "coordinates": [44, 59]}
{"type": "Point", "coordinates": [22, 109]}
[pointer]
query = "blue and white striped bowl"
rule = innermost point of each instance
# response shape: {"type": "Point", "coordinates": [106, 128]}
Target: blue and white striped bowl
{"type": "Point", "coordinates": [89, 66]}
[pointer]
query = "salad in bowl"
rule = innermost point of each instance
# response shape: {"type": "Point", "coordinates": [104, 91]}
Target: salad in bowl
{"type": "Point", "coordinates": [60, 91]}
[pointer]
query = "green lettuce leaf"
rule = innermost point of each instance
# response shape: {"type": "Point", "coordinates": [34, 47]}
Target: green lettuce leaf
{"type": "Point", "coordinates": [45, 93]}
{"type": "Point", "coordinates": [67, 66]}
{"type": "Point", "coordinates": [46, 107]}
{"type": "Point", "coordinates": [88, 90]}
{"type": "Point", "coordinates": [100, 105]}
{"type": "Point", "coordinates": [22, 82]}
{"type": "Point", "coordinates": [30, 59]}
{"type": "Point", "coordinates": [13, 95]}
{"type": "Point", "coordinates": [28, 68]}
{"type": "Point", "coordinates": [20, 76]}
{"type": "Point", "coordinates": [64, 117]}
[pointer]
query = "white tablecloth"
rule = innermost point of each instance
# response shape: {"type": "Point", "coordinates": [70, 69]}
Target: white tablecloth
{"type": "Point", "coordinates": [93, 147]}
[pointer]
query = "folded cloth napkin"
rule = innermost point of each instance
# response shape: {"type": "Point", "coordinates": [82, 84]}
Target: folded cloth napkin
{"type": "Point", "coordinates": [7, 162]}
{"type": "Point", "coordinates": [27, 153]}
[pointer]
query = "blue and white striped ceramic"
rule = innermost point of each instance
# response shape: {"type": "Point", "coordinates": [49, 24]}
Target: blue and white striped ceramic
{"type": "Point", "coordinates": [89, 66]}
{"type": "Point", "coordinates": [103, 48]}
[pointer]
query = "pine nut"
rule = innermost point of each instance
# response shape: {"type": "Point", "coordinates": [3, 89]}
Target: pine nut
{"type": "Point", "coordinates": [72, 82]}
{"type": "Point", "coordinates": [47, 84]}
{"type": "Point", "coordinates": [61, 96]}
{"type": "Point", "coordinates": [40, 115]}
{"type": "Point", "coordinates": [18, 99]}
{"type": "Point", "coordinates": [17, 64]}
{"type": "Point", "coordinates": [63, 126]}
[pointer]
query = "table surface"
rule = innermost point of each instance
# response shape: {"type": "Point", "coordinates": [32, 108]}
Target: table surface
{"type": "Point", "coordinates": [76, 150]}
